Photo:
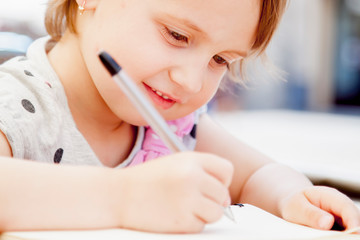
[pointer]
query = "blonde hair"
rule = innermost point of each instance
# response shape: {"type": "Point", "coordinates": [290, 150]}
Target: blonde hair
{"type": "Point", "coordinates": [270, 16]}
{"type": "Point", "coordinates": [61, 15]}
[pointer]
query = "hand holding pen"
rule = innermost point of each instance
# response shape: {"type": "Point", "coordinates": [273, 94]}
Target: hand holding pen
{"type": "Point", "coordinates": [148, 112]}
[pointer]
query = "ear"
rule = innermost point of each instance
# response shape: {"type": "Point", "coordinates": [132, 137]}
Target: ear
{"type": "Point", "coordinates": [87, 4]}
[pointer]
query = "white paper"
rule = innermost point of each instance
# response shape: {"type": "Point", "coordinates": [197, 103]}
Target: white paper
{"type": "Point", "coordinates": [251, 223]}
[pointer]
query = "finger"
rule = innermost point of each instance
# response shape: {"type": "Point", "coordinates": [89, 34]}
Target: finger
{"type": "Point", "coordinates": [213, 189]}
{"type": "Point", "coordinates": [354, 223]}
{"type": "Point", "coordinates": [317, 218]}
{"type": "Point", "coordinates": [208, 211]}
{"type": "Point", "coordinates": [350, 217]}
{"type": "Point", "coordinates": [340, 205]}
{"type": "Point", "coordinates": [305, 213]}
{"type": "Point", "coordinates": [220, 168]}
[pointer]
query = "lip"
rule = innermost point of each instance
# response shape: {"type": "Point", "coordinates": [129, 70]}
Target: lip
{"type": "Point", "coordinates": [158, 100]}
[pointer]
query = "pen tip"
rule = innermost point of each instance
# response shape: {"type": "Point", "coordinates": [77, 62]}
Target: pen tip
{"type": "Point", "coordinates": [111, 65]}
{"type": "Point", "coordinates": [228, 213]}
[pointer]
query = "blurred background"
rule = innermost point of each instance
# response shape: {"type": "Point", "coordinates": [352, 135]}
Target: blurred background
{"type": "Point", "coordinates": [318, 47]}
{"type": "Point", "coordinates": [309, 120]}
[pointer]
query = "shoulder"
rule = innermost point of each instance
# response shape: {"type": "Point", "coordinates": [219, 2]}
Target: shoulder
{"type": "Point", "coordinates": [18, 92]}
{"type": "Point", "coordinates": [27, 75]}
{"type": "Point", "coordinates": [32, 101]}
{"type": "Point", "coordinates": [30, 83]}
{"type": "Point", "coordinates": [24, 90]}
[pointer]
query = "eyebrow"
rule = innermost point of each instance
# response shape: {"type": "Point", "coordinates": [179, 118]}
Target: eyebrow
{"type": "Point", "coordinates": [186, 22]}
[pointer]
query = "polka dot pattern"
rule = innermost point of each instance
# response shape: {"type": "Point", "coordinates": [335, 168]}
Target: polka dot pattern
{"type": "Point", "coordinates": [58, 155]}
{"type": "Point", "coordinates": [28, 105]}
{"type": "Point", "coordinates": [47, 83]}
{"type": "Point", "coordinates": [28, 73]}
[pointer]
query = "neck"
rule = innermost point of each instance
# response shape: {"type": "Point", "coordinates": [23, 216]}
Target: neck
{"type": "Point", "coordinates": [94, 119]}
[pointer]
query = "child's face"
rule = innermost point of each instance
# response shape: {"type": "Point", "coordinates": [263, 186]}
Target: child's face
{"type": "Point", "coordinates": [176, 51]}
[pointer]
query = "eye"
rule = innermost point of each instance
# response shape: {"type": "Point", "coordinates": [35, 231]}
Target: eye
{"type": "Point", "coordinates": [175, 38]}
{"type": "Point", "coordinates": [178, 36]}
{"type": "Point", "coordinates": [221, 61]}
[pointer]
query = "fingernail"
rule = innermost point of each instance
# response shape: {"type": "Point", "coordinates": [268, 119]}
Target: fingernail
{"type": "Point", "coordinates": [227, 201]}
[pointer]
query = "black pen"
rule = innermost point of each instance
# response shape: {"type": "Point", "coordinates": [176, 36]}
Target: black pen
{"type": "Point", "coordinates": [149, 113]}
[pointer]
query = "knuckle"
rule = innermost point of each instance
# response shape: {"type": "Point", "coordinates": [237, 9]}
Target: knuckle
{"type": "Point", "coordinates": [229, 166]}
{"type": "Point", "coordinates": [187, 170]}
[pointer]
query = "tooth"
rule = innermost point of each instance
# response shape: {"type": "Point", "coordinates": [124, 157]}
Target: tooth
{"type": "Point", "coordinates": [159, 93]}
{"type": "Point", "coordinates": [165, 97]}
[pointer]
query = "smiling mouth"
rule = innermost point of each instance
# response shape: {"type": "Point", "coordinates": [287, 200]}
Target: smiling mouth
{"type": "Point", "coordinates": [160, 99]}
{"type": "Point", "coordinates": [160, 94]}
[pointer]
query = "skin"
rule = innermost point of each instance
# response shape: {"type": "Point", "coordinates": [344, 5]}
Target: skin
{"type": "Point", "coordinates": [184, 71]}
{"type": "Point", "coordinates": [176, 193]}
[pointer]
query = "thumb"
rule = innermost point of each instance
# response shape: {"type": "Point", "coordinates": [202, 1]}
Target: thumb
{"type": "Point", "coordinates": [305, 213]}
{"type": "Point", "coordinates": [325, 220]}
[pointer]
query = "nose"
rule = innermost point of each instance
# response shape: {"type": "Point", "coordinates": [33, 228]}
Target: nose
{"type": "Point", "coordinates": [188, 75]}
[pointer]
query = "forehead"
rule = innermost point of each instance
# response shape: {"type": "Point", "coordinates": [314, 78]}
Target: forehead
{"type": "Point", "coordinates": [232, 20]}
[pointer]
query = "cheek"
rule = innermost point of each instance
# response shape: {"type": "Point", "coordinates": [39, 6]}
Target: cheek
{"type": "Point", "coordinates": [212, 88]}
{"type": "Point", "coordinates": [213, 80]}
{"type": "Point", "coordinates": [208, 91]}
{"type": "Point", "coordinates": [140, 54]}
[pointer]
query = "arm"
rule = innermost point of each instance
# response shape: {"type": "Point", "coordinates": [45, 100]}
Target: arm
{"type": "Point", "coordinates": [274, 187]}
{"type": "Point", "coordinates": [247, 164]}
{"type": "Point", "coordinates": [42, 196]}
{"type": "Point", "coordinates": [177, 193]}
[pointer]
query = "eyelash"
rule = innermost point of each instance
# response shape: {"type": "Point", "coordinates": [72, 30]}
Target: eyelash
{"type": "Point", "coordinates": [180, 40]}
{"type": "Point", "coordinates": [175, 38]}
{"type": "Point", "coordinates": [221, 61]}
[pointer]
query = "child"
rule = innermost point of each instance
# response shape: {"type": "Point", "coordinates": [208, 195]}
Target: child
{"type": "Point", "coordinates": [59, 105]}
